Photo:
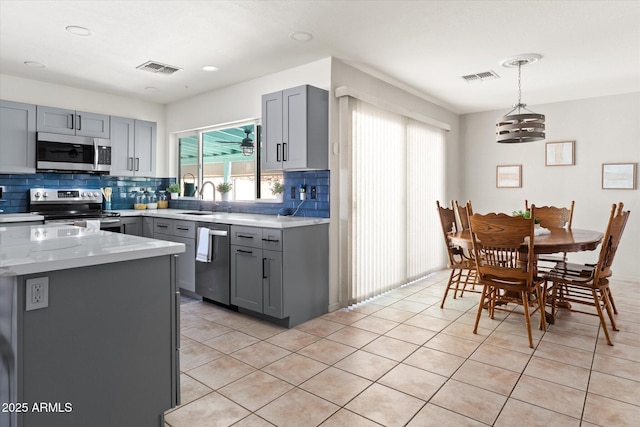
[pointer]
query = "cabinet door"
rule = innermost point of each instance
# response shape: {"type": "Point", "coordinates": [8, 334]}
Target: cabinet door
{"type": "Point", "coordinates": [147, 226]}
{"type": "Point", "coordinates": [272, 131]}
{"type": "Point", "coordinates": [294, 128]}
{"type": "Point", "coordinates": [56, 120]}
{"type": "Point", "coordinates": [145, 148]}
{"type": "Point", "coordinates": [246, 277]}
{"type": "Point", "coordinates": [122, 146]}
{"type": "Point", "coordinates": [272, 296]}
{"type": "Point", "coordinates": [17, 137]}
{"type": "Point", "coordinates": [132, 226]}
{"type": "Point", "coordinates": [186, 264]}
{"type": "Point", "coordinates": [92, 125]}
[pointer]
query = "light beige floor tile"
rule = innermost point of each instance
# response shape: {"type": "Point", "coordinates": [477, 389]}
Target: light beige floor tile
{"type": "Point", "coordinates": [191, 389]}
{"type": "Point", "coordinates": [413, 381]}
{"type": "Point", "coordinates": [196, 355]}
{"type": "Point", "coordinates": [470, 401]}
{"type": "Point", "coordinates": [488, 377]}
{"type": "Point", "coordinates": [376, 325]}
{"type": "Point", "coordinates": [432, 415]}
{"type": "Point", "coordinates": [253, 421]}
{"type": "Point", "coordinates": [205, 331]}
{"type": "Point", "coordinates": [260, 329]}
{"type": "Point", "coordinates": [368, 308]}
{"type": "Point", "coordinates": [344, 316]}
{"type": "Point", "coordinates": [353, 337]}
{"type": "Point", "coordinates": [618, 337]}
{"type": "Point", "coordinates": [297, 408]}
{"type": "Point", "coordinates": [462, 330]}
{"type": "Point", "coordinates": [320, 327]}
{"type": "Point", "coordinates": [564, 354]}
{"type": "Point", "coordinates": [559, 398]}
{"type": "Point", "coordinates": [293, 339]}
{"type": "Point", "coordinates": [501, 357]}
{"type": "Point", "coordinates": [295, 368]}
{"type": "Point", "coordinates": [571, 340]}
{"type": "Point", "coordinates": [435, 361]}
{"type": "Point", "coordinates": [428, 322]}
{"type": "Point", "coordinates": [231, 341]}
{"type": "Point", "coordinates": [576, 328]}
{"type": "Point", "coordinates": [336, 385]}
{"type": "Point", "coordinates": [445, 313]}
{"type": "Point", "coordinates": [618, 367]}
{"type": "Point", "coordinates": [390, 348]}
{"type": "Point", "coordinates": [344, 418]}
{"type": "Point", "coordinates": [411, 334]}
{"type": "Point", "coordinates": [510, 342]}
{"type": "Point", "coordinates": [221, 372]}
{"type": "Point", "coordinates": [260, 354]}
{"type": "Point", "coordinates": [386, 406]}
{"type": "Point", "coordinates": [393, 314]}
{"type": "Point", "coordinates": [603, 411]}
{"type": "Point", "coordinates": [255, 390]}
{"type": "Point", "coordinates": [452, 345]}
{"type": "Point", "coordinates": [616, 388]}
{"type": "Point", "coordinates": [557, 372]}
{"type": "Point", "coordinates": [366, 365]}
{"type": "Point", "coordinates": [327, 351]}
{"type": "Point", "coordinates": [186, 342]}
{"type": "Point", "coordinates": [426, 300]}
{"type": "Point", "coordinates": [516, 413]}
{"type": "Point", "coordinates": [516, 325]}
{"type": "Point", "coordinates": [210, 410]}
{"type": "Point", "coordinates": [620, 350]}
{"type": "Point", "coordinates": [410, 305]}
{"type": "Point", "coordinates": [385, 300]}
{"type": "Point", "coordinates": [188, 320]}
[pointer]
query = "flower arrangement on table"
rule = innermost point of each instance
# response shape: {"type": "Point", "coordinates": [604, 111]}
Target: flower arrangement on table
{"type": "Point", "coordinates": [526, 215]}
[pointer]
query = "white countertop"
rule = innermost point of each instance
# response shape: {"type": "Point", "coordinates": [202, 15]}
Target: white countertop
{"type": "Point", "coordinates": [40, 248]}
{"type": "Point", "coordinates": [256, 220]}
{"type": "Point", "coordinates": [20, 217]}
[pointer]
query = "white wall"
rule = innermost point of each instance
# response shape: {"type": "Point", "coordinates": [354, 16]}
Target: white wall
{"type": "Point", "coordinates": [237, 102]}
{"type": "Point", "coordinates": [40, 93]}
{"type": "Point", "coordinates": [605, 130]}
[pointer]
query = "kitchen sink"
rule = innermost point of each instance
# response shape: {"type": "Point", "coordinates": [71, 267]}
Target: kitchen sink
{"type": "Point", "coordinates": [198, 213]}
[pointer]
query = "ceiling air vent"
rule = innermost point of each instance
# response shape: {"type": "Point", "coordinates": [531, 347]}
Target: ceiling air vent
{"type": "Point", "coordinates": [158, 68]}
{"type": "Point", "coordinates": [479, 77]}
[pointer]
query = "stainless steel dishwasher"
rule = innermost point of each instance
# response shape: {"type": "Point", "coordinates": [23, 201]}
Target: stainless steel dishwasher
{"type": "Point", "coordinates": [212, 271]}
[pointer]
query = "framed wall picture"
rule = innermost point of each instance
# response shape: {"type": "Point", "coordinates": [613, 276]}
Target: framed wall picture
{"type": "Point", "coordinates": [619, 176]}
{"type": "Point", "coordinates": [509, 176]}
{"type": "Point", "coordinates": [559, 153]}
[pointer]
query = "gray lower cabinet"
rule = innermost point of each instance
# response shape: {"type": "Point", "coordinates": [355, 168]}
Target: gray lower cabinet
{"type": "Point", "coordinates": [280, 273]}
{"type": "Point", "coordinates": [17, 137]}
{"type": "Point", "coordinates": [147, 226]}
{"type": "Point", "coordinates": [70, 122]}
{"type": "Point", "coordinates": [131, 225]}
{"type": "Point", "coordinates": [180, 232]}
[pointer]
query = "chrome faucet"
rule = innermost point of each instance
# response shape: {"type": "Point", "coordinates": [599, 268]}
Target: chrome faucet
{"type": "Point", "coordinates": [204, 184]}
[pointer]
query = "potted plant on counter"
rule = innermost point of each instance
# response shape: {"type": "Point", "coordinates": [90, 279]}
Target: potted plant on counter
{"type": "Point", "coordinates": [174, 190]}
{"type": "Point", "coordinates": [224, 189]}
{"type": "Point", "coordinates": [277, 189]}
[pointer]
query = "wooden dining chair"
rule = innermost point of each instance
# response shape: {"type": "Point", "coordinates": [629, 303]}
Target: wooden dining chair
{"type": "Point", "coordinates": [588, 285]}
{"type": "Point", "coordinates": [463, 213]}
{"type": "Point", "coordinates": [463, 268]}
{"type": "Point", "coordinates": [506, 271]}
{"type": "Point", "coordinates": [552, 216]}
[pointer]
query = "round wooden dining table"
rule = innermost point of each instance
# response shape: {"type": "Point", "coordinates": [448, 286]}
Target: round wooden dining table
{"type": "Point", "coordinates": [558, 240]}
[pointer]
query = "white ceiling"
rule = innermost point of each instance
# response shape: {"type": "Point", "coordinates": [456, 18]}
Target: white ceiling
{"type": "Point", "coordinates": [588, 48]}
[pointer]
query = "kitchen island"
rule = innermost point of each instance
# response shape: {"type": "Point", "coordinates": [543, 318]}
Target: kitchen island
{"type": "Point", "coordinates": [88, 327]}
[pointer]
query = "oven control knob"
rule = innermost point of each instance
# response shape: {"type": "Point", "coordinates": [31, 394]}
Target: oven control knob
{"type": "Point", "coordinates": [45, 195]}
{"type": "Point", "coordinates": [84, 194]}
{"type": "Point", "coordinates": [95, 194]}
{"type": "Point", "coordinates": [37, 194]}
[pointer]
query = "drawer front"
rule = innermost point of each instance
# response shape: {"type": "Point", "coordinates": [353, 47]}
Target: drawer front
{"type": "Point", "coordinates": [272, 239]}
{"type": "Point", "coordinates": [185, 229]}
{"type": "Point", "coordinates": [246, 236]}
{"type": "Point", "coordinates": [162, 226]}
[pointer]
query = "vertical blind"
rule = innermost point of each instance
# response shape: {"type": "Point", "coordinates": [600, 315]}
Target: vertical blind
{"type": "Point", "coordinates": [398, 168]}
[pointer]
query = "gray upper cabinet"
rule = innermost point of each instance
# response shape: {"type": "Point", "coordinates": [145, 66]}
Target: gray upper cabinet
{"type": "Point", "coordinates": [70, 122]}
{"type": "Point", "coordinates": [133, 147]}
{"type": "Point", "coordinates": [17, 137]}
{"type": "Point", "coordinates": [295, 126]}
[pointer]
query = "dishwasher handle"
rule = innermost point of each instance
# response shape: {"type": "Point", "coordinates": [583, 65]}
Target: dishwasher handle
{"type": "Point", "coordinates": [222, 233]}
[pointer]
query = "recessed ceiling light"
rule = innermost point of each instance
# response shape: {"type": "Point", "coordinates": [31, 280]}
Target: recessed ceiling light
{"type": "Point", "coordinates": [301, 36]}
{"type": "Point", "coordinates": [151, 89]}
{"type": "Point", "coordinates": [35, 64]}
{"type": "Point", "coordinates": [210, 68]}
{"type": "Point", "coordinates": [79, 31]}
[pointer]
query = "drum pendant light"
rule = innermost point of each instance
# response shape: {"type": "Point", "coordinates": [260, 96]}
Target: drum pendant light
{"type": "Point", "coordinates": [520, 127]}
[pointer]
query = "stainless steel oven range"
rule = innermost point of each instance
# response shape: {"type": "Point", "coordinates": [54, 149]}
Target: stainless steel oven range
{"type": "Point", "coordinates": [67, 206]}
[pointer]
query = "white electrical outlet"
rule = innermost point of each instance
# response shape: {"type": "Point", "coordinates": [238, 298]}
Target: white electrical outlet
{"type": "Point", "coordinates": [37, 293]}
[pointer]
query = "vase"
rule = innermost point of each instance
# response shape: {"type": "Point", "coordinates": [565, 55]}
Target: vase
{"type": "Point", "coordinates": [279, 198]}
{"type": "Point", "coordinates": [174, 195]}
{"type": "Point", "coordinates": [224, 197]}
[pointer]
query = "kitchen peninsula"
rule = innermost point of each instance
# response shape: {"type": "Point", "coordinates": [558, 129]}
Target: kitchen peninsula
{"type": "Point", "coordinates": [88, 327]}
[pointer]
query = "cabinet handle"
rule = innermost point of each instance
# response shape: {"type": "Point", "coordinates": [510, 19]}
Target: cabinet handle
{"type": "Point", "coordinates": [129, 163]}
{"type": "Point", "coordinates": [79, 122]}
{"type": "Point", "coordinates": [162, 226]}
{"type": "Point", "coordinates": [264, 268]}
{"type": "Point", "coordinates": [240, 236]}
{"type": "Point", "coordinates": [278, 152]}
{"type": "Point", "coordinates": [244, 252]}
{"type": "Point", "coordinates": [284, 151]}
{"type": "Point", "coordinates": [270, 240]}
{"type": "Point", "coordinates": [182, 228]}
{"type": "Point", "coordinates": [73, 126]}
{"type": "Point", "coordinates": [137, 164]}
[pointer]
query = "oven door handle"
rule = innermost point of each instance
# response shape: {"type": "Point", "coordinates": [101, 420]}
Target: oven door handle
{"type": "Point", "coordinates": [109, 221]}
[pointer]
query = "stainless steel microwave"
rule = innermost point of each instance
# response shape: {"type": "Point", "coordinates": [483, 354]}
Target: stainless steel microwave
{"type": "Point", "coordinates": [69, 153]}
